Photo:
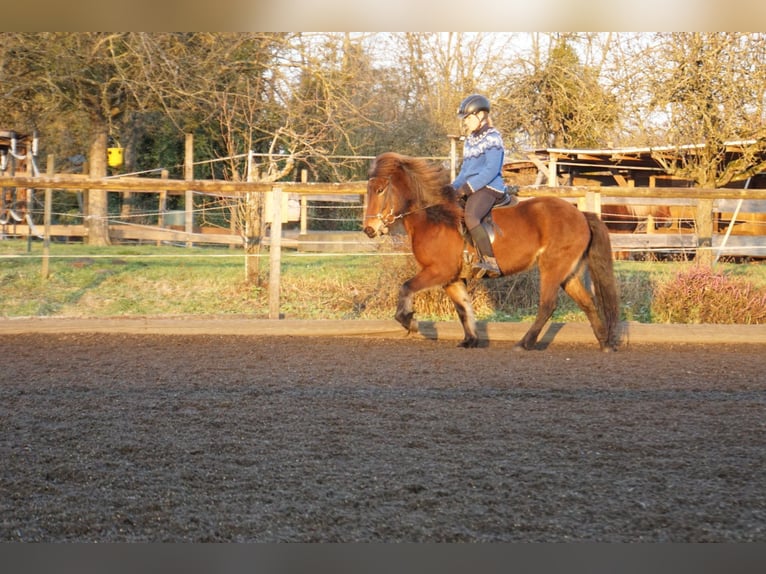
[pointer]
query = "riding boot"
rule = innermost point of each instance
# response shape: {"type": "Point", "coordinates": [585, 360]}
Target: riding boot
{"type": "Point", "coordinates": [487, 265]}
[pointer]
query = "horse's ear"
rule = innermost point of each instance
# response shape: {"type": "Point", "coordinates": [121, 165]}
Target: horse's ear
{"type": "Point", "coordinates": [404, 162]}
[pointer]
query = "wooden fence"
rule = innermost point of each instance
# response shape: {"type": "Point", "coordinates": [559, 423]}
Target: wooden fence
{"type": "Point", "coordinates": [706, 209]}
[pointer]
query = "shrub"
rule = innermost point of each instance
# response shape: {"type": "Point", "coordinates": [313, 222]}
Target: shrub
{"type": "Point", "coordinates": [701, 295]}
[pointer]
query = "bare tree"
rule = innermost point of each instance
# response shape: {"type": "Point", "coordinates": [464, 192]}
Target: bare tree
{"type": "Point", "coordinates": [295, 100]}
{"type": "Point", "coordinates": [72, 77]}
{"type": "Point", "coordinates": [707, 97]}
{"type": "Point", "coordinates": [555, 98]}
{"type": "Point", "coordinates": [287, 97]}
{"type": "Point", "coordinates": [436, 71]}
{"type": "Point", "coordinates": [300, 100]}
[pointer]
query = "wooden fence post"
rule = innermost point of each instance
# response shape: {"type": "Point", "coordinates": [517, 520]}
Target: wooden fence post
{"type": "Point", "coordinates": [304, 205]}
{"type": "Point", "coordinates": [162, 205]}
{"type": "Point", "coordinates": [275, 252]}
{"type": "Point", "coordinates": [553, 178]}
{"type": "Point", "coordinates": [189, 194]}
{"type": "Point", "coordinates": [704, 222]}
{"type": "Point", "coordinates": [50, 171]}
{"type": "Point", "coordinates": [453, 156]}
{"type": "Point", "coordinates": [252, 214]}
{"type": "Point", "coordinates": [591, 202]}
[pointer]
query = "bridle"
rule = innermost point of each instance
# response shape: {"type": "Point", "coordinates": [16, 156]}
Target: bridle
{"type": "Point", "coordinates": [387, 219]}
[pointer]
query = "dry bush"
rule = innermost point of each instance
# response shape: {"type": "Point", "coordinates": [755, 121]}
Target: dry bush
{"type": "Point", "coordinates": [382, 296]}
{"type": "Point", "coordinates": [513, 297]}
{"type": "Point", "coordinates": [701, 295]}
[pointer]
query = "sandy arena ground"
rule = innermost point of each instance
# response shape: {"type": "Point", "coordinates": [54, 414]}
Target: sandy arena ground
{"type": "Point", "coordinates": [154, 433]}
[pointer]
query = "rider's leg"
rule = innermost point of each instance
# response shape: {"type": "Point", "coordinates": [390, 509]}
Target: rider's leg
{"type": "Point", "coordinates": [476, 207]}
{"type": "Point", "coordinates": [487, 263]}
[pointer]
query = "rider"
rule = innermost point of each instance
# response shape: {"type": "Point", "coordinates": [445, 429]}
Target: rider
{"type": "Point", "coordinates": [480, 180]}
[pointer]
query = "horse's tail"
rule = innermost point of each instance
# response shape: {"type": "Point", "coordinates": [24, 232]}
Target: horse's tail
{"type": "Point", "coordinates": [602, 275]}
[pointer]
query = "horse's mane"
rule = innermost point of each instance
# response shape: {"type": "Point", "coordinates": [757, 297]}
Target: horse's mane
{"type": "Point", "coordinates": [426, 182]}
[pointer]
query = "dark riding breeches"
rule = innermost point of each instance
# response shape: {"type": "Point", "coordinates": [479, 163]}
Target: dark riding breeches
{"type": "Point", "coordinates": [478, 205]}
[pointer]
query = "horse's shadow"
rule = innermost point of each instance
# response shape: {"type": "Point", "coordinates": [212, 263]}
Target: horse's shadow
{"type": "Point", "coordinates": [428, 330]}
{"type": "Point", "coordinates": [550, 334]}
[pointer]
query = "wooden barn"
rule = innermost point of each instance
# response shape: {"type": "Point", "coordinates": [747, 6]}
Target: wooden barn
{"type": "Point", "coordinates": [645, 168]}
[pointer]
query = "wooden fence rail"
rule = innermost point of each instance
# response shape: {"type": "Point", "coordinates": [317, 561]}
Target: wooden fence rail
{"type": "Point", "coordinates": [704, 203]}
{"type": "Point", "coordinates": [222, 187]}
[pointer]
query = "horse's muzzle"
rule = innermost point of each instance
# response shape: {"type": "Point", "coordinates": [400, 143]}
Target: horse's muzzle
{"type": "Point", "coordinates": [375, 227]}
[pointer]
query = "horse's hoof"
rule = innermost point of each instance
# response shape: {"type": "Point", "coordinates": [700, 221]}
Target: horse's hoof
{"type": "Point", "coordinates": [406, 321]}
{"type": "Point", "coordinates": [519, 347]}
{"type": "Point", "coordinates": [469, 343]}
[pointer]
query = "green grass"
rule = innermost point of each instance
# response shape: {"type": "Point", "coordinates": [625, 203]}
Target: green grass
{"type": "Point", "coordinates": [147, 280]}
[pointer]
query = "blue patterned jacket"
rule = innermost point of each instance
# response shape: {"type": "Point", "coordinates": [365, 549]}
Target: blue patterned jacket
{"type": "Point", "coordinates": [483, 154]}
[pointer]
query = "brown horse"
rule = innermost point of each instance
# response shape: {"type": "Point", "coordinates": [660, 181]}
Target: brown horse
{"type": "Point", "coordinates": [627, 218]}
{"type": "Point", "coordinates": [635, 218]}
{"type": "Point", "coordinates": [570, 248]}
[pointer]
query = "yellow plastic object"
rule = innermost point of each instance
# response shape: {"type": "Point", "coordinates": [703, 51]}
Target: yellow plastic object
{"type": "Point", "coordinates": [114, 156]}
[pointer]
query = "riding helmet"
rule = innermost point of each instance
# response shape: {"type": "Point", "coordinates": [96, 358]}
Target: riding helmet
{"type": "Point", "coordinates": [472, 104]}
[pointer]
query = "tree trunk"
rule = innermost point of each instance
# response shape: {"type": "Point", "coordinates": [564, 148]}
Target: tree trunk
{"type": "Point", "coordinates": [98, 212]}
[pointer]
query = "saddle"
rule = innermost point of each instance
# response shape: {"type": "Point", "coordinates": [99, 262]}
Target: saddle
{"type": "Point", "coordinates": [508, 199]}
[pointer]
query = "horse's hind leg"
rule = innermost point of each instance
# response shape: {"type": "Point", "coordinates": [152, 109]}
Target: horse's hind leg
{"type": "Point", "coordinates": [458, 293]}
{"type": "Point", "coordinates": [577, 289]}
{"type": "Point", "coordinates": [548, 293]}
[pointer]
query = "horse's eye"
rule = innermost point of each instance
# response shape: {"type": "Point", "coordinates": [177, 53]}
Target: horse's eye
{"type": "Point", "coordinates": [380, 190]}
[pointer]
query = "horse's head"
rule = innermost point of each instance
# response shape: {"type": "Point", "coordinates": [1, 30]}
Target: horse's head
{"type": "Point", "coordinates": [385, 200]}
{"type": "Point", "coordinates": [400, 185]}
{"type": "Point", "coordinates": [380, 211]}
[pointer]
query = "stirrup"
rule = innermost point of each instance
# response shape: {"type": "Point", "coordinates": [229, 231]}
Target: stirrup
{"type": "Point", "coordinates": [487, 266]}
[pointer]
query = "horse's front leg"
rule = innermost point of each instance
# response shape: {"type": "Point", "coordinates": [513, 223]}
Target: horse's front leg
{"type": "Point", "coordinates": [458, 293]}
{"type": "Point", "coordinates": [428, 277]}
{"type": "Point", "coordinates": [405, 309]}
